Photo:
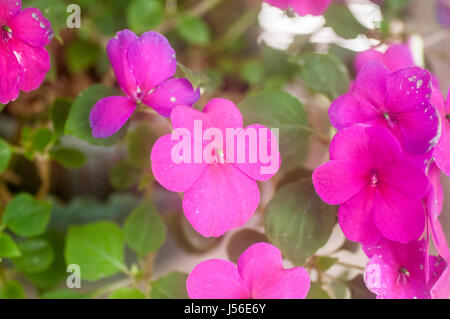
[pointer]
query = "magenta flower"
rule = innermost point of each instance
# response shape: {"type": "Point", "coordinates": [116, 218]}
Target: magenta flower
{"type": "Point", "coordinates": [398, 271]}
{"type": "Point", "coordinates": [397, 56]}
{"type": "Point", "coordinates": [144, 68]}
{"type": "Point", "coordinates": [399, 101]}
{"type": "Point", "coordinates": [302, 7]}
{"type": "Point", "coordinates": [24, 61]}
{"type": "Point", "coordinates": [259, 275]}
{"type": "Point", "coordinates": [220, 191]}
{"type": "Point", "coordinates": [379, 190]}
{"type": "Point", "coordinates": [442, 150]}
{"type": "Point", "coordinates": [441, 289]}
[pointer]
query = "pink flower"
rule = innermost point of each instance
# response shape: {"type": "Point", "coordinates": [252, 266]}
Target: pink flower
{"type": "Point", "coordinates": [302, 7]}
{"type": "Point", "coordinates": [399, 101]}
{"type": "Point", "coordinates": [379, 190]}
{"type": "Point", "coordinates": [259, 275]}
{"type": "Point", "coordinates": [144, 68]}
{"type": "Point", "coordinates": [396, 57]}
{"type": "Point", "coordinates": [441, 289]}
{"type": "Point", "coordinates": [442, 150]}
{"type": "Point", "coordinates": [24, 61]}
{"type": "Point", "coordinates": [220, 193]}
{"type": "Point", "coordinates": [398, 271]}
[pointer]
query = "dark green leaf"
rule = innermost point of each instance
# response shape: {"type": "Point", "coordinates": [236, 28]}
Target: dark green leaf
{"type": "Point", "coordinates": [78, 121]}
{"type": "Point", "coordinates": [324, 73]}
{"type": "Point", "coordinates": [26, 216]}
{"type": "Point", "coordinates": [144, 15]}
{"type": "Point", "coordinates": [68, 157]}
{"type": "Point", "coordinates": [341, 19]}
{"type": "Point", "coordinates": [278, 109]}
{"type": "Point", "coordinates": [194, 31]}
{"type": "Point", "coordinates": [316, 292]}
{"type": "Point", "coordinates": [124, 175]}
{"type": "Point", "coordinates": [81, 55]}
{"type": "Point", "coordinates": [8, 248]}
{"type": "Point", "coordinates": [139, 145]}
{"type": "Point", "coordinates": [37, 256]}
{"type": "Point", "coordinates": [97, 248]}
{"type": "Point", "coordinates": [5, 155]}
{"type": "Point", "coordinates": [144, 229]}
{"type": "Point", "coordinates": [41, 139]}
{"type": "Point", "coordinates": [241, 240]}
{"type": "Point", "coordinates": [197, 79]}
{"type": "Point", "coordinates": [298, 222]}
{"type": "Point", "coordinates": [172, 286]}
{"type": "Point", "coordinates": [59, 112]}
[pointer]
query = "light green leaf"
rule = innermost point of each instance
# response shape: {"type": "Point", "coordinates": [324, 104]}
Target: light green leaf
{"type": "Point", "coordinates": [78, 121]}
{"type": "Point", "coordinates": [26, 216]}
{"type": "Point", "coordinates": [316, 292]}
{"type": "Point", "coordinates": [341, 19]}
{"type": "Point", "coordinates": [324, 73]}
{"type": "Point", "coordinates": [5, 155]}
{"type": "Point", "coordinates": [127, 293]}
{"type": "Point", "coordinates": [139, 145]}
{"type": "Point", "coordinates": [12, 290]}
{"type": "Point", "coordinates": [144, 15]}
{"type": "Point", "coordinates": [172, 286]}
{"type": "Point", "coordinates": [298, 222]}
{"type": "Point", "coordinates": [97, 248]}
{"type": "Point", "coordinates": [8, 248]}
{"type": "Point", "coordinates": [68, 157]}
{"type": "Point", "coordinates": [194, 31]}
{"type": "Point", "coordinates": [82, 55]}
{"type": "Point", "coordinates": [37, 256]}
{"type": "Point", "coordinates": [278, 109]}
{"type": "Point", "coordinates": [124, 175]}
{"type": "Point", "coordinates": [41, 139]}
{"type": "Point", "coordinates": [324, 263]}
{"type": "Point", "coordinates": [144, 229]}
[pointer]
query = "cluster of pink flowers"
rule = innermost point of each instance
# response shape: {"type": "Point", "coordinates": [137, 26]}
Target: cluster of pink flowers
{"type": "Point", "coordinates": [384, 173]}
{"type": "Point", "coordinates": [24, 61]}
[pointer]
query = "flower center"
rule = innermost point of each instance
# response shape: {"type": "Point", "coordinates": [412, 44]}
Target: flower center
{"type": "Point", "coordinates": [220, 156]}
{"type": "Point", "coordinates": [403, 275]}
{"type": "Point", "coordinates": [374, 180]}
{"type": "Point", "coordinates": [391, 121]}
{"type": "Point", "coordinates": [6, 32]}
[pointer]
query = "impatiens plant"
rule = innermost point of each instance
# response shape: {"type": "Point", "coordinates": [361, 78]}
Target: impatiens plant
{"type": "Point", "coordinates": [224, 149]}
{"type": "Point", "coordinates": [144, 68]}
{"type": "Point", "coordinates": [259, 275]}
{"type": "Point", "coordinates": [24, 61]}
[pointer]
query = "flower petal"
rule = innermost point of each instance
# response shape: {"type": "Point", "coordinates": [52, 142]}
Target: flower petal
{"type": "Point", "coordinates": [314, 7]}
{"type": "Point", "coordinates": [356, 218]}
{"type": "Point", "coordinates": [441, 289]}
{"type": "Point", "coordinates": [442, 150]}
{"type": "Point", "coordinates": [369, 55]}
{"type": "Point", "coordinates": [398, 56]}
{"type": "Point", "coordinates": [117, 50]}
{"type": "Point", "coordinates": [170, 94]}
{"type": "Point", "coordinates": [260, 266]}
{"type": "Point", "coordinates": [370, 83]}
{"type": "Point", "coordinates": [168, 169]}
{"type": "Point", "coordinates": [221, 200]}
{"type": "Point", "coordinates": [12, 74]}
{"type": "Point", "coordinates": [338, 181]}
{"type": "Point", "coordinates": [216, 279]}
{"type": "Point", "coordinates": [264, 150]}
{"type": "Point", "coordinates": [223, 114]}
{"type": "Point", "coordinates": [31, 27]}
{"type": "Point", "coordinates": [8, 9]}
{"type": "Point", "coordinates": [109, 114]}
{"type": "Point", "coordinates": [152, 61]}
{"type": "Point", "coordinates": [398, 217]}
{"type": "Point", "coordinates": [34, 61]}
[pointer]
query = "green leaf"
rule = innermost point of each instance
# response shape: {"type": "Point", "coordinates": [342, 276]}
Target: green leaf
{"type": "Point", "coordinates": [37, 256]}
{"type": "Point", "coordinates": [127, 293]}
{"type": "Point", "coordinates": [26, 216]}
{"type": "Point", "coordinates": [172, 286]}
{"type": "Point", "coordinates": [197, 79]}
{"type": "Point", "coordinates": [97, 248]}
{"type": "Point", "coordinates": [343, 22]}
{"type": "Point", "coordinates": [63, 294]}
{"type": "Point", "coordinates": [82, 55]}
{"type": "Point", "coordinates": [78, 121]}
{"type": "Point", "coordinates": [124, 175]}
{"type": "Point", "coordinates": [144, 229]}
{"type": "Point", "coordinates": [12, 290]}
{"type": "Point", "coordinates": [68, 157]}
{"type": "Point", "coordinates": [59, 112]}
{"type": "Point", "coordinates": [298, 222]}
{"type": "Point", "coordinates": [2, 106]}
{"type": "Point", "coordinates": [340, 289]}
{"type": "Point", "coordinates": [252, 71]}
{"type": "Point", "coordinates": [5, 155]}
{"type": "Point", "coordinates": [324, 263]}
{"type": "Point", "coordinates": [144, 15]}
{"type": "Point", "coordinates": [139, 145]}
{"type": "Point", "coordinates": [194, 31]}
{"type": "Point", "coordinates": [41, 139]}
{"type": "Point", "coordinates": [278, 109]}
{"type": "Point", "coordinates": [241, 240]}
{"type": "Point", "coordinates": [324, 73]}
{"type": "Point", "coordinates": [8, 248]}
{"type": "Point", "coordinates": [316, 292]}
